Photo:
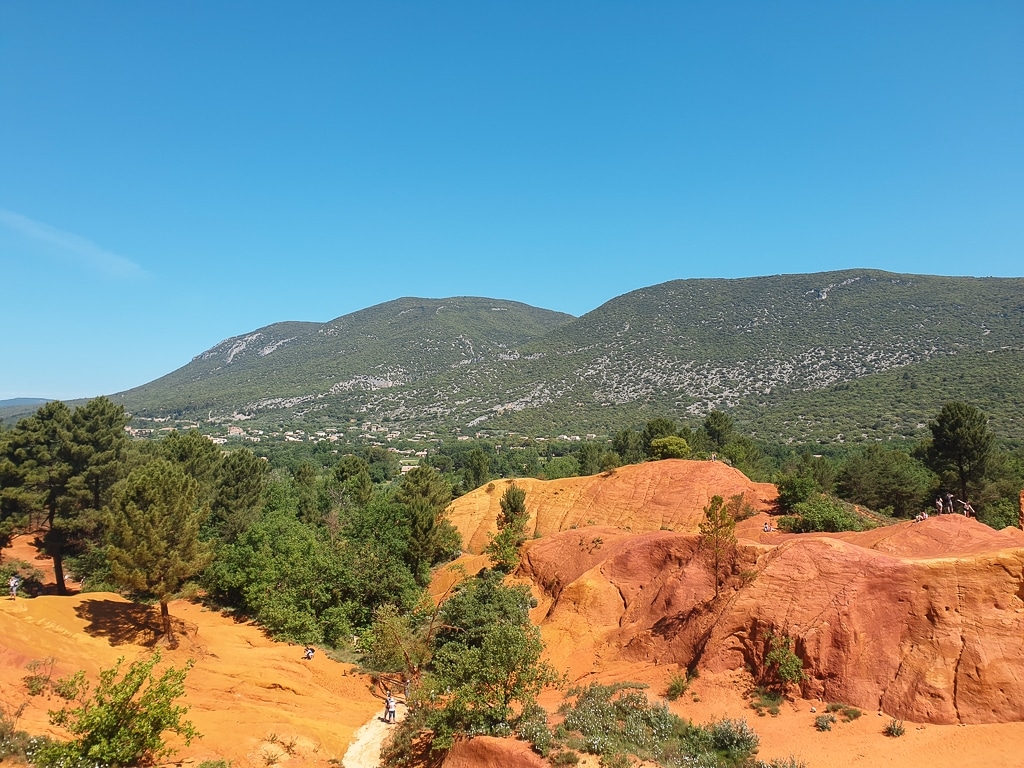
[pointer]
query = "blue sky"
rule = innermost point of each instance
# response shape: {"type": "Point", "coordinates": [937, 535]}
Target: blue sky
{"type": "Point", "coordinates": [172, 174]}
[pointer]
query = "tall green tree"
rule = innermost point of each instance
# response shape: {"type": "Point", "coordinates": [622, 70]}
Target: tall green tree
{"type": "Point", "coordinates": [487, 665]}
{"type": "Point", "coordinates": [153, 542]}
{"type": "Point", "coordinates": [503, 548]}
{"type": "Point", "coordinates": [880, 477]}
{"type": "Point", "coordinates": [718, 537]}
{"type": "Point", "coordinates": [589, 457]}
{"type": "Point", "coordinates": [656, 428]}
{"type": "Point", "coordinates": [962, 444]}
{"type": "Point", "coordinates": [239, 485]}
{"type": "Point", "coordinates": [629, 444]}
{"type": "Point", "coordinates": [40, 470]}
{"type": "Point", "coordinates": [425, 495]}
{"type": "Point", "coordinates": [719, 428]}
{"type": "Point", "coordinates": [197, 456]}
{"type": "Point", "coordinates": [99, 451]}
{"type": "Point", "coordinates": [478, 469]}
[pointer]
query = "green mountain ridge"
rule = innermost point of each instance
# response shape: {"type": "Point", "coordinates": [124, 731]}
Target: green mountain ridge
{"type": "Point", "coordinates": [831, 357]}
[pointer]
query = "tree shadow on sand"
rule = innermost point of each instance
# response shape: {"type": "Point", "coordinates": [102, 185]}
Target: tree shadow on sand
{"type": "Point", "coordinates": [126, 623]}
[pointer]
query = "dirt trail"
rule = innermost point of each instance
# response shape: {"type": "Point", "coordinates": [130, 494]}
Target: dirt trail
{"type": "Point", "coordinates": [364, 752]}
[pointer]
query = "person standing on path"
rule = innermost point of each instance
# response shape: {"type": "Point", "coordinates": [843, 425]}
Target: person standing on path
{"type": "Point", "coordinates": [13, 583]}
{"type": "Point", "coordinates": [391, 709]}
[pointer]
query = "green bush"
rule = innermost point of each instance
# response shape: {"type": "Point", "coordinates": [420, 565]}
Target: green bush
{"type": "Point", "coordinates": [616, 721]}
{"type": "Point", "coordinates": [766, 700]}
{"type": "Point", "coordinates": [565, 757]}
{"type": "Point", "coordinates": [848, 713]}
{"type": "Point", "coordinates": [733, 739]}
{"type": "Point", "coordinates": [821, 514]}
{"type": "Point", "coordinates": [533, 727]}
{"type": "Point", "coordinates": [782, 667]}
{"type": "Point", "coordinates": [793, 489]}
{"type": "Point", "coordinates": [123, 721]}
{"type": "Point", "coordinates": [824, 722]}
{"type": "Point", "coordinates": [677, 687]}
{"type": "Point", "coordinates": [895, 728]}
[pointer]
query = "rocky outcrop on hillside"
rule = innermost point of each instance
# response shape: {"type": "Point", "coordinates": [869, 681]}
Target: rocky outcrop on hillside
{"type": "Point", "coordinates": [924, 621]}
{"type": "Point", "coordinates": [668, 494]}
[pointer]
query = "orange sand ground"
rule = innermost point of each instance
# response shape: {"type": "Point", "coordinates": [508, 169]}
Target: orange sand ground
{"type": "Point", "coordinates": [250, 697]}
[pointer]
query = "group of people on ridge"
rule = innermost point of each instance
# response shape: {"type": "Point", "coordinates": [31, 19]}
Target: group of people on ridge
{"type": "Point", "coordinates": [944, 505]}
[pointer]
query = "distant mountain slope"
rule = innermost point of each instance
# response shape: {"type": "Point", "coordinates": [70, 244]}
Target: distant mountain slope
{"type": "Point", "coordinates": [310, 366]}
{"type": "Point", "coordinates": [771, 349]}
{"type": "Point", "coordinates": [16, 402]}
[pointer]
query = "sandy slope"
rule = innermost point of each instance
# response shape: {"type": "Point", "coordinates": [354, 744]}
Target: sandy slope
{"type": "Point", "coordinates": [254, 700]}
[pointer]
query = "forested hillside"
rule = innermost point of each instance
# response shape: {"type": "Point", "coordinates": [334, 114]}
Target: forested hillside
{"type": "Point", "coordinates": [857, 355]}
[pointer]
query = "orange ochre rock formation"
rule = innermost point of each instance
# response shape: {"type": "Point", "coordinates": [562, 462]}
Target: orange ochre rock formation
{"type": "Point", "coordinates": [668, 494]}
{"type": "Point", "coordinates": [921, 620]}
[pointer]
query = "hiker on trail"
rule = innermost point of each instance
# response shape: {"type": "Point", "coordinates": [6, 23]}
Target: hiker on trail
{"type": "Point", "coordinates": [968, 510]}
{"type": "Point", "coordinates": [938, 505]}
{"type": "Point", "coordinates": [391, 709]}
{"type": "Point", "coordinates": [14, 582]}
{"type": "Point", "coordinates": [308, 653]}
{"type": "Point", "coordinates": [949, 504]}
{"type": "Point", "coordinates": [768, 527]}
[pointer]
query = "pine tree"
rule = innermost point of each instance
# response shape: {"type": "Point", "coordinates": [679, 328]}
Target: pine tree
{"type": "Point", "coordinates": [718, 536]}
{"type": "Point", "coordinates": [153, 533]}
{"type": "Point", "coordinates": [100, 446]}
{"type": "Point", "coordinates": [40, 489]}
{"type": "Point", "coordinates": [425, 494]}
{"type": "Point", "coordinates": [961, 443]}
{"type": "Point", "coordinates": [239, 485]}
{"type": "Point", "coordinates": [503, 548]}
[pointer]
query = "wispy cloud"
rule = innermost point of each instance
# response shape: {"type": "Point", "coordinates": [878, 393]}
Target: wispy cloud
{"type": "Point", "coordinates": [76, 247]}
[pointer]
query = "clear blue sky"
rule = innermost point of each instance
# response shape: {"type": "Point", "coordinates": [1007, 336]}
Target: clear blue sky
{"type": "Point", "coordinates": [175, 173]}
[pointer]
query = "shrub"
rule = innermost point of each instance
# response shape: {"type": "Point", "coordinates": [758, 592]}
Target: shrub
{"type": "Point", "coordinates": [824, 722]}
{"type": "Point", "coordinates": [778, 762]}
{"type": "Point", "coordinates": [70, 688]}
{"type": "Point", "coordinates": [766, 700]}
{"type": "Point", "coordinates": [617, 721]}
{"type": "Point", "coordinates": [617, 760]}
{"type": "Point", "coordinates": [895, 728]}
{"type": "Point", "coordinates": [794, 489]}
{"type": "Point", "coordinates": [848, 713]}
{"type": "Point", "coordinates": [533, 727]}
{"type": "Point", "coordinates": [565, 757]}
{"type": "Point", "coordinates": [821, 513]}
{"type": "Point", "coordinates": [782, 666]}
{"type": "Point", "coordinates": [734, 739]}
{"type": "Point", "coordinates": [123, 721]}
{"type": "Point", "coordinates": [677, 687]}
{"type": "Point", "coordinates": [38, 679]}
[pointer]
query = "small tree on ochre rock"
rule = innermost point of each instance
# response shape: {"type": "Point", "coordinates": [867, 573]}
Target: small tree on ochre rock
{"type": "Point", "coordinates": [503, 549]}
{"type": "Point", "coordinates": [153, 533]}
{"type": "Point", "coordinates": [718, 536]}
